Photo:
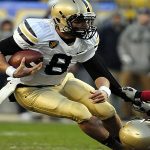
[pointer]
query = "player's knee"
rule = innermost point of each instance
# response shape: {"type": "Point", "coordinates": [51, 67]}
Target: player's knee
{"type": "Point", "coordinates": [80, 113]}
{"type": "Point", "coordinates": [106, 112]}
{"type": "Point", "coordinates": [110, 114]}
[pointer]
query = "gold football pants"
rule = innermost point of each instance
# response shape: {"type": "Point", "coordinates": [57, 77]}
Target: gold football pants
{"type": "Point", "coordinates": [69, 100]}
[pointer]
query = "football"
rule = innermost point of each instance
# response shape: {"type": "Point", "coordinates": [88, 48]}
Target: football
{"type": "Point", "coordinates": [31, 58]}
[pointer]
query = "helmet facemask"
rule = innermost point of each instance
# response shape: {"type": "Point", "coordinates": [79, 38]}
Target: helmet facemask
{"type": "Point", "coordinates": [85, 32]}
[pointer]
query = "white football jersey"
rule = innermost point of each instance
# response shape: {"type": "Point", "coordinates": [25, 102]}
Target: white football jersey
{"type": "Point", "coordinates": [52, 2]}
{"type": "Point", "coordinates": [40, 35]}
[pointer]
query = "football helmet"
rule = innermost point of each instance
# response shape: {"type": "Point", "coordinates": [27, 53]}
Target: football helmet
{"type": "Point", "coordinates": [135, 135]}
{"type": "Point", "coordinates": [65, 12]}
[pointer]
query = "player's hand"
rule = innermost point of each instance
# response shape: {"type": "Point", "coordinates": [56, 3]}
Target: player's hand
{"type": "Point", "coordinates": [23, 71]}
{"type": "Point", "coordinates": [98, 96]}
{"type": "Point", "coordinates": [130, 92]}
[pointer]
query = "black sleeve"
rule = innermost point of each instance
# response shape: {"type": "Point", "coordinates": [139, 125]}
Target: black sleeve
{"type": "Point", "coordinates": [97, 68]}
{"type": "Point", "coordinates": [8, 46]}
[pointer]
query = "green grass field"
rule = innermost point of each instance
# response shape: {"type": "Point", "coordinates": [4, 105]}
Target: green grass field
{"type": "Point", "coordinates": [45, 136]}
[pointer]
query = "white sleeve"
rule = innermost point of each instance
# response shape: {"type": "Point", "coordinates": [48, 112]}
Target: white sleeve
{"type": "Point", "coordinates": [24, 35]}
{"type": "Point", "coordinates": [21, 43]}
{"type": "Point", "coordinates": [93, 45]}
{"type": "Point", "coordinates": [86, 56]}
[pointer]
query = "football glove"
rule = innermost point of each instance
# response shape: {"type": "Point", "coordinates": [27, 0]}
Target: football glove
{"type": "Point", "coordinates": [130, 92]}
{"type": "Point", "coordinates": [135, 96]}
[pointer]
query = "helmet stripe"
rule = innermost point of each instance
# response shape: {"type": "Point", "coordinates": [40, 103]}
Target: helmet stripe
{"type": "Point", "coordinates": [63, 16]}
{"type": "Point", "coordinates": [88, 9]}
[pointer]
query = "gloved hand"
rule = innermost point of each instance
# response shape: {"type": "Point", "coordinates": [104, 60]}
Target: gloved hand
{"type": "Point", "coordinates": [138, 105]}
{"type": "Point", "coordinates": [130, 92]}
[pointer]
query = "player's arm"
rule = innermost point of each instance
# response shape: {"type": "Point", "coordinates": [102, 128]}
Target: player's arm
{"type": "Point", "coordinates": [97, 68]}
{"type": "Point", "coordinates": [103, 92]}
{"type": "Point", "coordinates": [9, 47]}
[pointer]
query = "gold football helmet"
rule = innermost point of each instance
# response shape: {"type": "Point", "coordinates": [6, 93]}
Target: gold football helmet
{"type": "Point", "coordinates": [65, 12]}
{"type": "Point", "coordinates": [135, 135]}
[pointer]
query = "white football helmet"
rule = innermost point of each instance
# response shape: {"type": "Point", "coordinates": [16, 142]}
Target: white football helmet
{"type": "Point", "coordinates": [135, 135]}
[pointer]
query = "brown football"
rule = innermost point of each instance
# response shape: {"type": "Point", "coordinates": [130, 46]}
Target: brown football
{"type": "Point", "coordinates": [31, 57]}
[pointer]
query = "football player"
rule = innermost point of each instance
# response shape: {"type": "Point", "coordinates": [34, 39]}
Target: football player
{"type": "Point", "coordinates": [47, 88]}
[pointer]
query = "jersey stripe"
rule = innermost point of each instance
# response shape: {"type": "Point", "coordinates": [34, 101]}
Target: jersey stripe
{"type": "Point", "coordinates": [27, 33]}
{"type": "Point", "coordinates": [24, 37]}
{"type": "Point", "coordinates": [29, 28]}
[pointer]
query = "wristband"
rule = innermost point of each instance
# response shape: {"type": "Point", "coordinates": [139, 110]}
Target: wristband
{"type": "Point", "coordinates": [105, 89]}
{"type": "Point", "coordinates": [10, 71]}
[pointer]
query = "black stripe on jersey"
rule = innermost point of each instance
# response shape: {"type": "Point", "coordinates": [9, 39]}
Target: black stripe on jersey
{"type": "Point", "coordinates": [29, 28]}
{"type": "Point", "coordinates": [88, 9]}
{"type": "Point", "coordinates": [24, 37]}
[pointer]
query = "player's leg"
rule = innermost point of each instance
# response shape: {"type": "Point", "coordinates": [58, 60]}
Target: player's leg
{"type": "Point", "coordinates": [95, 129]}
{"type": "Point", "coordinates": [79, 91]}
{"type": "Point", "coordinates": [113, 125]}
{"type": "Point", "coordinates": [50, 102]}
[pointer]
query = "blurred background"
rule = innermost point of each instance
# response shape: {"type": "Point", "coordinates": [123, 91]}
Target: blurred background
{"type": "Point", "coordinates": [124, 29]}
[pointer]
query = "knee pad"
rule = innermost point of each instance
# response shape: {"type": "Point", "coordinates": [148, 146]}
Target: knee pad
{"type": "Point", "coordinates": [105, 111]}
{"type": "Point", "coordinates": [80, 113]}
